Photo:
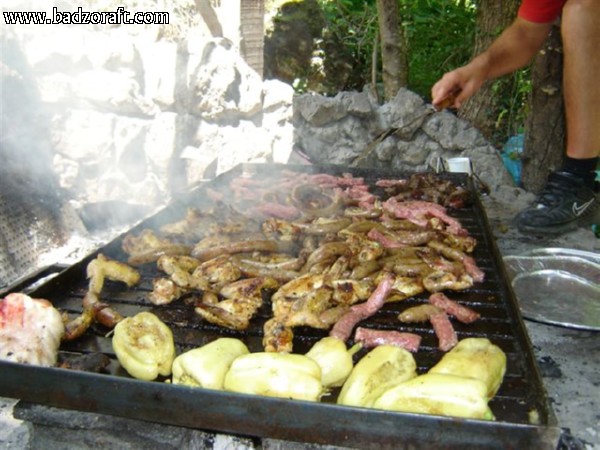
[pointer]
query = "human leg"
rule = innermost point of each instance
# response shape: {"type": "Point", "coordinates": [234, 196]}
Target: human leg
{"type": "Point", "coordinates": [580, 28]}
{"type": "Point", "coordinates": [569, 192]}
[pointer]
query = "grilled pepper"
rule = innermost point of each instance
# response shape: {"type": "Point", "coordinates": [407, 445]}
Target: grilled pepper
{"type": "Point", "coordinates": [284, 375]}
{"type": "Point", "coordinates": [475, 358]}
{"type": "Point", "coordinates": [434, 393]}
{"type": "Point", "coordinates": [380, 369]}
{"type": "Point", "coordinates": [335, 360]}
{"type": "Point", "coordinates": [144, 346]}
{"type": "Point", "coordinates": [206, 366]}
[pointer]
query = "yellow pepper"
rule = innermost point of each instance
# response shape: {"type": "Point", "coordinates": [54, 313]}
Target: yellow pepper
{"type": "Point", "coordinates": [434, 393]}
{"type": "Point", "coordinates": [380, 369]}
{"type": "Point", "coordinates": [335, 360]}
{"type": "Point", "coordinates": [475, 358]}
{"type": "Point", "coordinates": [206, 366]}
{"type": "Point", "coordinates": [144, 346]}
{"type": "Point", "coordinates": [283, 375]}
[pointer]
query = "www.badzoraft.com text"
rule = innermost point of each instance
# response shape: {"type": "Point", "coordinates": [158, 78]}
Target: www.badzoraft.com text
{"type": "Point", "coordinates": [80, 17]}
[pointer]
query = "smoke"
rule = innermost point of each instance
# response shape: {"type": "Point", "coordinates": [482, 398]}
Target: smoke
{"type": "Point", "coordinates": [25, 148]}
{"type": "Point", "coordinates": [102, 125]}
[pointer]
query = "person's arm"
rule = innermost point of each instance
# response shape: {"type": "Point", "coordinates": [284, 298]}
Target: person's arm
{"type": "Point", "coordinates": [513, 49]}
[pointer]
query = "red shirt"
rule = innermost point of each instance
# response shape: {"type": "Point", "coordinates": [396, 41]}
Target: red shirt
{"type": "Point", "coordinates": [541, 11]}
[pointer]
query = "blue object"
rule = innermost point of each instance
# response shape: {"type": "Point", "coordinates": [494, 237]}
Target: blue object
{"type": "Point", "coordinates": [511, 156]}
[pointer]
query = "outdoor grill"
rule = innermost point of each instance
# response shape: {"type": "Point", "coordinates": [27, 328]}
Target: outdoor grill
{"type": "Point", "coordinates": [523, 416]}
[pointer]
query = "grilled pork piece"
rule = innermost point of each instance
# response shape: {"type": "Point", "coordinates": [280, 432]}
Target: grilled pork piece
{"type": "Point", "coordinates": [372, 338]}
{"type": "Point", "coordinates": [343, 327]}
{"type": "Point", "coordinates": [421, 213]}
{"type": "Point", "coordinates": [30, 330]}
{"type": "Point", "coordinates": [462, 313]}
{"type": "Point", "coordinates": [444, 331]}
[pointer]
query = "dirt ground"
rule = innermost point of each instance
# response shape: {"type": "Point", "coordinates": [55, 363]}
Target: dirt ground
{"type": "Point", "coordinates": [567, 357]}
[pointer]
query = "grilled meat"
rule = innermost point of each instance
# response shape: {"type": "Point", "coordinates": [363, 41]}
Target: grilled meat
{"type": "Point", "coordinates": [343, 327]}
{"type": "Point", "coordinates": [462, 313]}
{"type": "Point", "coordinates": [372, 338]}
{"type": "Point", "coordinates": [326, 240]}
{"type": "Point", "coordinates": [241, 301]}
{"type": "Point", "coordinates": [30, 330]}
{"type": "Point", "coordinates": [444, 330]}
{"type": "Point", "coordinates": [419, 313]}
{"type": "Point", "coordinates": [94, 310]}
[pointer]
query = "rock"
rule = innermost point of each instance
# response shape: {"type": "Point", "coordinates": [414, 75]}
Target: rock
{"type": "Point", "coordinates": [277, 95]}
{"type": "Point", "coordinates": [400, 110]}
{"type": "Point", "coordinates": [160, 144]}
{"type": "Point", "coordinates": [46, 51]}
{"type": "Point", "coordinates": [83, 135]}
{"type": "Point", "coordinates": [282, 143]}
{"type": "Point", "coordinates": [112, 91]}
{"type": "Point", "coordinates": [56, 88]}
{"type": "Point", "coordinates": [318, 110]}
{"type": "Point", "coordinates": [356, 103]}
{"type": "Point", "coordinates": [164, 75]}
{"type": "Point", "coordinates": [488, 166]}
{"type": "Point", "coordinates": [451, 132]}
{"type": "Point", "coordinates": [224, 86]}
{"type": "Point", "coordinates": [415, 153]}
{"type": "Point", "coordinates": [337, 130]}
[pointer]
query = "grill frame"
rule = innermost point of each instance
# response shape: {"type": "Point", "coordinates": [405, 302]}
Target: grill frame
{"type": "Point", "coordinates": [324, 422]}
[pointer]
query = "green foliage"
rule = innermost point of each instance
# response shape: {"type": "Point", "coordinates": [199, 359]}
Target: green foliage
{"type": "Point", "coordinates": [349, 34]}
{"type": "Point", "coordinates": [513, 100]}
{"type": "Point", "coordinates": [440, 37]}
{"type": "Point", "coordinates": [439, 32]}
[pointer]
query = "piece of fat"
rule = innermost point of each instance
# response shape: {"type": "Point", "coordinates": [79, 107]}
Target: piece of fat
{"type": "Point", "coordinates": [31, 330]}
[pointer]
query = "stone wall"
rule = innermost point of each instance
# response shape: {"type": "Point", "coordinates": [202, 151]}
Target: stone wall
{"type": "Point", "coordinates": [131, 115]}
{"type": "Point", "coordinates": [125, 113]}
{"type": "Point", "coordinates": [340, 129]}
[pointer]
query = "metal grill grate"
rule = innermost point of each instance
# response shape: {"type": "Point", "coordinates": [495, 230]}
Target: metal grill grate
{"type": "Point", "coordinates": [520, 398]}
{"type": "Point", "coordinates": [28, 229]}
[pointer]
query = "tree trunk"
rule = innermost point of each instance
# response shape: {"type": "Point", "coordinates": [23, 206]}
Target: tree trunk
{"type": "Point", "coordinates": [545, 128]}
{"type": "Point", "coordinates": [252, 16]}
{"type": "Point", "coordinates": [393, 48]}
{"type": "Point", "coordinates": [206, 10]}
{"type": "Point", "coordinates": [482, 108]}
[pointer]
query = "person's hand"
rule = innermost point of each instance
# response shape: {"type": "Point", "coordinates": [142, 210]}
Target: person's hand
{"type": "Point", "coordinates": [465, 80]}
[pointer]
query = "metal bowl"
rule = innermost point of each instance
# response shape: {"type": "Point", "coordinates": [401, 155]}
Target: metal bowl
{"type": "Point", "coordinates": [557, 286]}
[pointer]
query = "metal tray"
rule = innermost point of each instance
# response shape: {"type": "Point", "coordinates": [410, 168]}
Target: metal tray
{"type": "Point", "coordinates": [524, 418]}
{"type": "Point", "coordinates": [557, 286]}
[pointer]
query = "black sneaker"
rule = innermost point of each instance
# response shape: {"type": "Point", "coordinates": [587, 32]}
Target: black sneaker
{"type": "Point", "coordinates": [565, 199]}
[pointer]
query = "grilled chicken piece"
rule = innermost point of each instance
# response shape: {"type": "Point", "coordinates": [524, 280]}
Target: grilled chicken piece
{"type": "Point", "coordinates": [179, 269]}
{"type": "Point", "coordinates": [300, 302]}
{"type": "Point", "coordinates": [242, 300]}
{"type": "Point", "coordinates": [30, 330]}
{"type": "Point", "coordinates": [94, 310]}
{"type": "Point", "coordinates": [349, 292]}
{"type": "Point", "coordinates": [306, 311]}
{"type": "Point", "coordinates": [277, 337]}
{"type": "Point", "coordinates": [165, 291]}
{"type": "Point", "coordinates": [102, 267]}
{"type": "Point", "coordinates": [148, 247]}
{"type": "Point", "coordinates": [218, 271]}
{"type": "Point", "coordinates": [192, 226]}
